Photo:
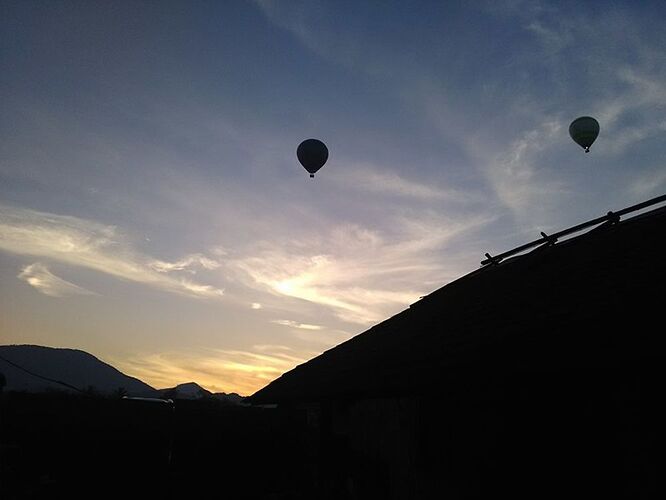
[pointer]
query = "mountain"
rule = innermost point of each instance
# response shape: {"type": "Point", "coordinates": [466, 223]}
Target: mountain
{"type": "Point", "coordinates": [27, 368]}
{"type": "Point", "coordinates": [192, 390]}
{"type": "Point", "coordinates": [231, 397]}
{"type": "Point", "coordinates": [188, 390]}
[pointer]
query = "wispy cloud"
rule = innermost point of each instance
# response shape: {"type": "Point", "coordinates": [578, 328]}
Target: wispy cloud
{"type": "Point", "coordinates": [218, 370]}
{"type": "Point", "coordinates": [345, 44]}
{"type": "Point", "coordinates": [84, 243]}
{"type": "Point", "coordinates": [377, 180]}
{"type": "Point", "coordinates": [643, 94]}
{"type": "Point", "coordinates": [295, 324]}
{"type": "Point", "coordinates": [649, 184]}
{"type": "Point", "coordinates": [360, 275]}
{"type": "Point", "coordinates": [300, 19]}
{"type": "Point", "coordinates": [623, 84]}
{"type": "Point", "coordinates": [515, 175]}
{"type": "Point", "coordinates": [187, 263]}
{"type": "Point", "coordinates": [39, 277]}
{"type": "Point", "coordinates": [553, 39]}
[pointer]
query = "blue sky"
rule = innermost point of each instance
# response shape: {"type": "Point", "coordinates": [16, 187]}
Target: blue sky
{"type": "Point", "coordinates": [153, 212]}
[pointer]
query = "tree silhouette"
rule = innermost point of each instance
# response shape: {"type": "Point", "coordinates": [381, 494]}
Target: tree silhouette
{"type": "Point", "coordinates": [119, 393]}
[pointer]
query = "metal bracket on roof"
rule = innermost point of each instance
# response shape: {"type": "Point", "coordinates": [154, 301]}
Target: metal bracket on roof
{"type": "Point", "coordinates": [613, 218]}
{"type": "Point", "coordinates": [491, 260]}
{"type": "Point", "coordinates": [610, 218]}
{"type": "Point", "coordinates": [550, 240]}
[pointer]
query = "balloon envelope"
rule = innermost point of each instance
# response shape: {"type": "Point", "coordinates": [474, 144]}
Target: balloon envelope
{"type": "Point", "coordinates": [584, 131]}
{"type": "Point", "coordinates": [312, 153]}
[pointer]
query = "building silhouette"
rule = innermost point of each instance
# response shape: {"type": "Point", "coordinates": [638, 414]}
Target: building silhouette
{"type": "Point", "coordinates": [539, 375]}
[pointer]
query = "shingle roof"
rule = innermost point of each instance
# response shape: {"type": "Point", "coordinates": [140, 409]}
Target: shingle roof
{"type": "Point", "coordinates": [596, 298]}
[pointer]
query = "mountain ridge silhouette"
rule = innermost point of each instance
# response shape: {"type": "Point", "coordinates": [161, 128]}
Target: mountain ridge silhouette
{"type": "Point", "coordinates": [35, 368]}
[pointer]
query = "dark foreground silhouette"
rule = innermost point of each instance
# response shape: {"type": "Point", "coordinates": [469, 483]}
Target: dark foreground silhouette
{"type": "Point", "coordinates": [537, 376]}
{"type": "Point", "coordinates": [72, 446]}
{"type": "Point", "coordinates": [542, 436]}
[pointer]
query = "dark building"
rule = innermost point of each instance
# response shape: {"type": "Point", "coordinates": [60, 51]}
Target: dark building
{"type": "Point", "coordinates": [537, 376]}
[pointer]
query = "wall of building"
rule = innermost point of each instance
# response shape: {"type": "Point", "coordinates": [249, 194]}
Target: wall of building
{"type": "Point", "coordinates": [540, 434]}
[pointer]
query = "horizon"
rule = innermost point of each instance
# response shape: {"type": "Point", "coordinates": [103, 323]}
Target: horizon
{"type": "Point", "coordinates": [33, 372]}
{"type": "Point", "coordinates": [153, 212]}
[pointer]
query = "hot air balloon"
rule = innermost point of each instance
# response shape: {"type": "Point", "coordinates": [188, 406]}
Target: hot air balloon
{"type": "Point", "coordinates": [584, 131]}
{"type": "Point", "coordinates": [312, 153]}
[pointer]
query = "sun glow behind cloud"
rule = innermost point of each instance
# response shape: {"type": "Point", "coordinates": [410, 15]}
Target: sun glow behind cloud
{"type": "Point", "coordinates": [350, 279]}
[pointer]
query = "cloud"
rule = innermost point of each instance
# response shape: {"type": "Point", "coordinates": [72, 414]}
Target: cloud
{"type": "Point", "coordinates": [623, 84]}
{"type": "Point", "coordinates": [185, 264]}
{"type": "Point", "coordinates": [373, 179]}
{"type": "Point", "coordinates": [299, 19]}
{"type": "Point", "coordinates": [218, 370]}
{"type": "Point", "coordinates": [312, 24]}
{"type": "Point", "coordinates": [38, 276]}
{"type": "Point", "coordinates": [358, 274]}
{"type": "Point", "coordinates": [553, 40]}
{"type": "Point", "coordinates": [201, 290]}
{"type": "Point", "coordinates": [516, 178]}
{"type": "Point", "coordinates": [294, 324]}
{"type": "Point", "coordinates": [255, 305]}
{"type": "Point", "coordinates": [649, 184]}
{"type": "Point", "coordinates": [84, 243]}
{"type": "Point", "coordinates": [643, 94]}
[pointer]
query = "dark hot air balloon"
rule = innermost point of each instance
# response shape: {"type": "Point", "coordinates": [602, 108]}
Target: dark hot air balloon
{"type": "Point", "coordinates": [584, 131]}
{"type": "Point", "coordinates": [312, 153]}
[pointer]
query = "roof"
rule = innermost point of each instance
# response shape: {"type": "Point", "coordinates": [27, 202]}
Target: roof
{"type": "Point", "coordinates": [589, 300]}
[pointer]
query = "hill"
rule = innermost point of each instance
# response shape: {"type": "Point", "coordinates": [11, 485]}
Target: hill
{"type": "Point", "coordinates": [192, 390]}
{"type": "Point", "coordinates": [188, 390]}
{"type": "Point", "coordinates": [27, 368]}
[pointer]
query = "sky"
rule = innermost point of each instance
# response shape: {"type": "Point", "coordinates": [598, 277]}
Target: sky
{"type": "Point", "coordinates": [154, 214]}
